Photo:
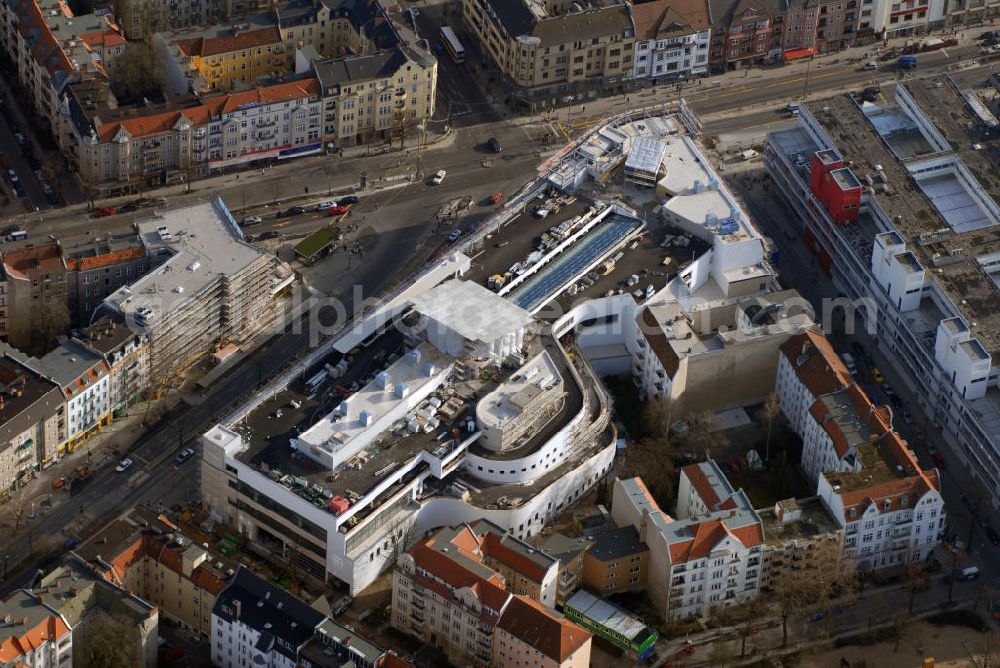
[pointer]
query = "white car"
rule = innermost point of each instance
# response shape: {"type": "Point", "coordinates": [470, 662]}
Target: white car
{"type": "Point", "coordinates": [124, 465]}
{"type": "Point", "coordinates": [439, 177]}
{"type": "Point", "coordinates": [251, 220]}
{"type": "Point", "coordinates": [323, 206]}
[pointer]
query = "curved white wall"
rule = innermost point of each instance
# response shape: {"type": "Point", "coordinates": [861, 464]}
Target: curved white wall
{"type": "Point", "coordinates": [528, 519]}
{"type": "Point", "coordinates": [525, 469]}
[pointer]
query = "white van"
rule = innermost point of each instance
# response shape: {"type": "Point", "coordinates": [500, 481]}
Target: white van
{"type": "Point", "coordinates": [848, 360]}
{"type": "Point", "coordinates": [970, 573]}
{"type": "Point", "coordinates": [749, 154]}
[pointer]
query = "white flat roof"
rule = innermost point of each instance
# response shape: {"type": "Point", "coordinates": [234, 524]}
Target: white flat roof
{"type": "Point", "coordinates": [646, 155]}
{"type": "Point", "coordinates": [501, 405]}
{"type": "Point", "coordinates": [204, 246]}
{"type": "Point", "coordinates": [336, 430]}
{"type": "Point", "coordinates": [471, 310]}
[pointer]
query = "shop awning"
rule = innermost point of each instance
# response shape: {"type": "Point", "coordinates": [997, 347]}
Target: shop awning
{"type": "Point", "coordinates": [795, 54]}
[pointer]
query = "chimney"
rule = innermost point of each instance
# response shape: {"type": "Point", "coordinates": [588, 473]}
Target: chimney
{"type": "Point", "coordinates": [806, 347]}
{"type": "Point", "coordinates": [41, 599]}
{"type": "Point", "coordinates": [238, 607]}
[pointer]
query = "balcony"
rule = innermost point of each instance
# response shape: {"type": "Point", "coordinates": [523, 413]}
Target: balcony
{"type": "Point", "coordinates": [418, 603]}
{"type": "Point", "coordinates": [417, 616]}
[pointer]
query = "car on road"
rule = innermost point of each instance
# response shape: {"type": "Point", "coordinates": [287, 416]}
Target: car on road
{"type": "Point", "coordinates": [889, 392]}
{"type": "Point", "coordinates": [455, 234]}
{"type": "Point", "coordinates": [270, 234]}
{"type": "Point", "coordinates": [105, 212]}
{"type": "Point", "coordinates": [185, 454]}
{"type": "Point", "coordinates": [982, 518]}
{"type": "Point", "coordinates": [124, 465]}
{"type": "Point", "coordinates": [323, 206]}
{"type": "Point", "coordinates": [338, 210]}
{"type": "Point", "coordinates": [20, 138]}
{"type": "Point", "coordinates": [128, 208]}
{"type": "Point", "coordinates": [992, 535]}
{"type": "Point", "coordinates": [907, 418]}
{"type": "Point", "coordinates": [870, 65]}
{"type": "Point", "coordinates": [348, 200]}
{"type": "Point", "coordinates": [494, 145]}
{"type": "Point", "coordinates": [295, 211]}
{"type": "Point", "coordinates": [877, 375]}
{"type": "Point", "coordinates": [251, 220]}
{"type": "Point", "coordinates": [439, 177]}
{"type": "Point", "coordinates": [992, 50]}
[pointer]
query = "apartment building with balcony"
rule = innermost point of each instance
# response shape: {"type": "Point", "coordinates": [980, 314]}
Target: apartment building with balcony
{"type": "Point", "coordinates": [140, 19]}
{"type": "Point", "coordinates": [446, 593]}
{"type": "Point", "coordinates": [211, 288]}
{"type": "Point", "coordinates": [890, 509]}
{"type": "Point", "coordinates": [256, 623]}
{"type": "Point", "coordinates": [143, 552]}
{"type": "Point", "coordinates": [32, 634]}
{"type": "Point", "coordinates": [378, 96]}
{"type": "Point", "coordinates": [884, 19]}
{"type": "Point", "coordinates": [801, 538]}
{"type": "Point", "coordinates": [671, 39]}
{"type": "Point", "coordinates": [53, 48]}
{"type": "Point", "coordinates": [85, 380]}
{"type": "Point", "coordinates": [338, 29]}
{"type": "Point", "coordinates": [745, 32]}
{"type": "Point", "coordinates": [126, 353]}
{"type": "Point", "coordinates": [840, 423]}
{"type": "Point", "coordinates": [698, 563]}
{"type": "Point", "coordinates": [569, 552]}
{"type": "Point", "coordinates": [916, 272]}
{"type": "Point", "coordinates": [963, 13]}
{"type": "Point", "coordinates": [238, 55]}
{"type": "Point", "coordinates": [544, 52]}
{"type": "Point", "coordinates": [32, 422]}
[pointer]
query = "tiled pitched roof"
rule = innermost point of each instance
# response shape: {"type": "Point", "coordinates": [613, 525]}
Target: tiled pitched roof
{"type": "Point", "coordinates": [51, 627]}
{"type": "Point", "coordinates": [545, 630]}
{"type": "Point", "coordinates": [658, 343]}
{"type": "Point", "coordinates": [489, 590]}
{"type": "Point", "coordinates": [702, 485]}
{"type": "Point", "coordinates": [865, 415]}
{"type": "Point", "coordinates": [105, 38]}
{"type": "Point", "coordinates": [213, 46]}
{"type": "Point", "coordinates": [44, 257]}
{"type": "Point", "coordinates": [706, 535]}
{"type": "Point", "coordinates": [494, 546]}
{"type": "Point", "coordinates": [665, 18]}
{"type": "Point", "coordinates": [816, 363]}
{"type": "Point", "coordinates": [912, 482]}
{"type": "Point", "coordinates": [106, 259]}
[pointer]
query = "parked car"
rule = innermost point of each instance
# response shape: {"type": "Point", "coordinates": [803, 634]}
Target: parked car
{"type": "Point", "coordinates": [185, 454]}
{"type": "Point", "coordinates": [877, 375]}
{"type": "Point", "coordinates": [889, 392]}
{"type": "Point", "coordinates": [251, 220]}
{"type": "Point", "coordinates": [982, 518]}
{"type": "Point", "coordinates": [128, 208]}
{"type": "Point", "coordinates": [494, 145]}
{"type": "Point", "coordinates": [907, 418]}
{"type": "Point", "coordinates": [992, 535]}
{"type": "Point", "coordinates": [105, 212]}
{"type": "Point", "coordinates": [124, 465]}
{"type": "Point", "coordinates": [439, 177]}
{"type": "Point", "coordinates": [20, 138]}
{"type": "Point", "coordinates": [323, 206]}
{"type": "Point", "coordinates": [348, 200]}
{"type": "Point", "coordinates": [295, 211]}
{"type": "Point", "coordinates": [338, 210]}
{"type": "Point", "coordinates": [455, 234]}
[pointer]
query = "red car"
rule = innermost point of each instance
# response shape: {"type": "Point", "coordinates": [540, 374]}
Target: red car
{"type": "Point", "coordinates": [105, 212]}
{"type": "Point", "coordinates": [338, 210]}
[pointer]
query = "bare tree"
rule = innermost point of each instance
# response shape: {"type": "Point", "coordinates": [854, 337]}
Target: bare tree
{"type": "Point", "coordinates": [768, 412]}
{"type": "Point", "coordinates": [106, 640]}
{"type": "Point", "coordinates": [138, 73]}
{"type": "Point", "coordinates": [984, 651]}
{"type": "Point", "coordinates": [50, 319]}
{"type": "Point", "coordinates": [901, 624]}
{"type": "Point", "coordinates": [650, 460]}
{"type": "Point", "coordinates": [916, 580]}
{"type": "Point", "coordinates": [701, 436]}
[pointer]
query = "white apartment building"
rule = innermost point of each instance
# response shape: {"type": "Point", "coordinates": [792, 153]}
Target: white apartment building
{"type": "Point", "coordinates": [702, 562]}
{"type": "Point", "coordinates": [86, 383]}
{"type": "Point", "coordinates": [808, 368]}
{"type": "Point", "coordinates": [889, 18]}
{"type": "Point", "coordinates": [891, 510]}
{"type": "Point", "coordinates": [670, 45]}
{"type": "Point", "coordinates": [257, 624]}
{"type": "Point", "coordinates": [928, 275]}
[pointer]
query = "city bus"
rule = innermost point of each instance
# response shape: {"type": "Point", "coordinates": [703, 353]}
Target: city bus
{"type": "Point", "coordinates": [451, 44]}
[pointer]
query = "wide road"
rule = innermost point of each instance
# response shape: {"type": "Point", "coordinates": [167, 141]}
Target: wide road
{"type": "Point", "coordinates": [472, 169]}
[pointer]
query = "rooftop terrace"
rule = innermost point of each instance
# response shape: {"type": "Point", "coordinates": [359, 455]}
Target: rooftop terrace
{"type": "Point", "coordinates": [814, 520]}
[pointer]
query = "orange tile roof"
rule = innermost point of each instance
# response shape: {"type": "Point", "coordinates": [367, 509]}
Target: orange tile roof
{"type": "Point", "coordinates": [816, 363]}
{"type": "Point", "coordinates": [106, 259]}
{"type": "Point", "coordinates": [145, 126]}
{"type": "Point", "coordinates": [913, 485]}
{"type": "Point", "coordinates": [49, 628]}
{"type": "Point", "coordinates": [653, 505]}
{"type": "Point", "coordinates": [490, 591]}
{"type": "Point", "coordinates": [650, 17]}
{"type": "Point", "coordinates": [876, 419]}
{"type": "Point", "coordinates": [530, 622]}
{"type": "Point", "coordinates": [393, 660]}
{"type": "Point", "coordinates": [45, 257]}
{"type": "Point", "coordinates": [710, 533]}
{"type": "Point", "coordinates": [105, 38]}
{"type": "Point", "coordinates": [494, 547]}
{"type": "Point", "coordinates": [213, 46]}
{"type": "Point", "coordinates": [696, 475]}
